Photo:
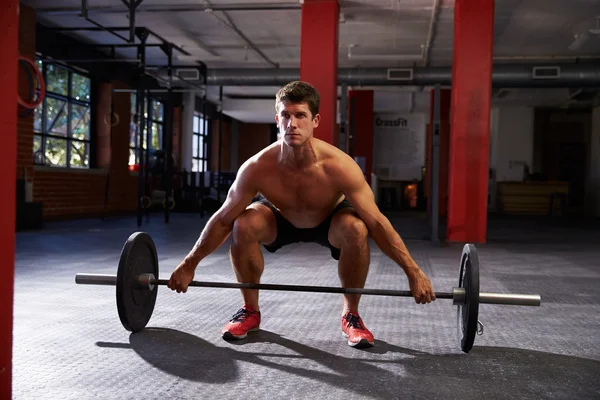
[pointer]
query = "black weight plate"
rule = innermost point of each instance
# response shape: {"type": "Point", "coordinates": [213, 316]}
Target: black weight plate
{"type": "Point", "coordinates": [135, 303]}
{"type": "Point", "coordinates": [468, 312]}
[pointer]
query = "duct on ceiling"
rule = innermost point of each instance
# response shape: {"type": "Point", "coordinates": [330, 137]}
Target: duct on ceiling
{"type": "Point", "coordinates": [506, 75]}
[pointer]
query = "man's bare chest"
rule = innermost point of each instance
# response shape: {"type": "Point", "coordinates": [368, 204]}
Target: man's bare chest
{"type": "Point", "coordinates": [311, 191]}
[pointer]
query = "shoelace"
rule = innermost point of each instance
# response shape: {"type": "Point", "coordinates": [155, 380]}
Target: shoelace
{"type": "Point", "coordinates": [241, 315]}
{"type": "Point", "coordinates": [354, 321]}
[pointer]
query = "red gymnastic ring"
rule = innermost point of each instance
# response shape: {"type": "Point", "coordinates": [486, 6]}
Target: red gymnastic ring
{"type": "Point", "coordinates": [41, 83]}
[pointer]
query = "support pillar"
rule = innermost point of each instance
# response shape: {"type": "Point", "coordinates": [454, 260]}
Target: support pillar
{"type": "Point", "coordinates": [444, 148]}
{"type": "Point", "coordinates": [9, 32]}
{"type": "Point", "coordinates": [470, 130]}
{"type": "Point", "coordinates": [362, 114]}
{"type": "Point", "coordinates": [187, 130]}
{"type": "Point", "coordinates": [234, 163]}
{"type": "Point", "coordinates": [319, 60]}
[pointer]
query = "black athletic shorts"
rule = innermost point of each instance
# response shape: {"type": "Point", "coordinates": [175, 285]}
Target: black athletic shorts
{"type": "Point", "coordinates": [288, 233]}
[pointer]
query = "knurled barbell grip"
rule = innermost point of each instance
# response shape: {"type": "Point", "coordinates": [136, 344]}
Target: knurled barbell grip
{"type": "Point", "coordinates": [147, 279]}
{"type": "Point", "coordinates": [300, 288]}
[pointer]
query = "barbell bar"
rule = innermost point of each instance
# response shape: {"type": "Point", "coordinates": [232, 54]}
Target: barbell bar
{"type": "Point", "coordinates": [457, 295]}
{"type": "Point", "coordinates": [137, 284]}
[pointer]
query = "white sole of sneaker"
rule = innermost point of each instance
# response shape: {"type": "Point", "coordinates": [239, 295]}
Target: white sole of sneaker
{"type": "Point", "coordinates": [230, 336]}
{"type": "Point", "coordinates": [363, 343]}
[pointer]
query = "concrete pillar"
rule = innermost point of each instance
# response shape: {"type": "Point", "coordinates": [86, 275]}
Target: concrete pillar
{"type": "Point", "coordinates": [235, 145]}
{"type": "Point", "coordinates": [470, 112]}
{"type": "Point", "coordinates": [187, 130]}
{"type": "Point", "coordinates": [444, 149]}
{"type": "Point", "coordinates": [319, 60]}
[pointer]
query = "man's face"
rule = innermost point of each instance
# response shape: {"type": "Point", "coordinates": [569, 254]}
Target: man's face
{"type": "Point", "coordinates": [295, 123]}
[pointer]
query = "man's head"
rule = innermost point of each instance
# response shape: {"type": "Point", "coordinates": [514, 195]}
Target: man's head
{"type": "Point", "coordinates": [297, 112]}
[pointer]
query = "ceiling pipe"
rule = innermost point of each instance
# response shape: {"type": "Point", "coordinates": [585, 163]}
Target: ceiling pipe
{"type": "Point", "coordinates": [175, 8]}
{"type": "Point", "coordinates": [507, 75]}
{"type": "Point", "coordinates": [431, 32]}
{"type": "Point", "coordinates": [383, 57]}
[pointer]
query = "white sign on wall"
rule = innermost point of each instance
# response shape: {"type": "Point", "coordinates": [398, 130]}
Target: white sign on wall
{"type": "Point", "coordinates": [399, 146]}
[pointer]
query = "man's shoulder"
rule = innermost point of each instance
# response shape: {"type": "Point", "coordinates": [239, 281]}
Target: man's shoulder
{"type": "Point", "coordinates": [337, 163]}
{"type": "Point", "coordinates": [266, 156]}
{"type": "Point", "coordinates": [332, 155]}
{"type": "Point", "coordinates": [261, 160]}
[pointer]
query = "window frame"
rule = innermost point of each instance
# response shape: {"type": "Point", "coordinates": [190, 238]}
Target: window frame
{"type": "Point", "coordinates": [149, 121]}
{"type": "Point", "coordinates": [201, 160]}
{"type": "Point", "coordinates": [69, 101]}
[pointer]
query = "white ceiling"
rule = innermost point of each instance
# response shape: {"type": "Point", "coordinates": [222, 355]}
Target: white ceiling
{"type": "Point", "coordinates": [243, 37]}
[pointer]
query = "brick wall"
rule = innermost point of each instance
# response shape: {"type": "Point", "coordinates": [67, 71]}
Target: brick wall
{"type": "Point", "coordinates": [252, 139]}
{"type": "Point", "coordinates": [105, 118]}
{"type": "Point", "coordinates": [225, 146]}
{"type": "Point", "coordinates": [68, 193]}
{"type": "Point", "coordinates": [109, 189]}
{"type": "Point", "coordinates": [123, 186]}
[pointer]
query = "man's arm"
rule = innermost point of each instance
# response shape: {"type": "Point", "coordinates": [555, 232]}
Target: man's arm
{"type": "Point", "coordinates": [359, 194]}
{"type": "Point", "coordinates": [219, 226]}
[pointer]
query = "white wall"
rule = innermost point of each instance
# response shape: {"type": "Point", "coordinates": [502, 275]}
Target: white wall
{"type": "Point", "coordinates": [401, 101]}
{"type": "Point", "coordinates": [593, 191]}
{"type": "Point", "coordinates": [399, 145]}
{"type": "Point", "coordinates": [511, 141]}
{"type": "Point", "coordinates": [400, 151]}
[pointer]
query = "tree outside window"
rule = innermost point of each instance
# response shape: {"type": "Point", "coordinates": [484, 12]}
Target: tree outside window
{"type": "Point", "coordinates": [62, 122]}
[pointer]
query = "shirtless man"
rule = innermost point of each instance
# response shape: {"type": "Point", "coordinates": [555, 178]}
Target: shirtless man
{"type": "Point", "coordinates": [308, 191]}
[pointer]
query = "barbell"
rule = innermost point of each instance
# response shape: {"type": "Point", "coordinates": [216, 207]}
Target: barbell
{"type": "Point", "coordinates": [137, 288]}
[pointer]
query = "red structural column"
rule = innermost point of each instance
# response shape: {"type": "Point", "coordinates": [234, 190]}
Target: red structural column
{"type": "Point", "coordinates": [470, 130]}
{"type": "Point", "coordinates": [362, 117]}
{"type": "Point", "coordinates": [319, 60]}
{"type": "Point", "coordinates": [9, 34]}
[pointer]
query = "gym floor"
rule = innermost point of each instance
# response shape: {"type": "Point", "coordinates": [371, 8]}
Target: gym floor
{"type": "Point", "coordinates": [69, 342]}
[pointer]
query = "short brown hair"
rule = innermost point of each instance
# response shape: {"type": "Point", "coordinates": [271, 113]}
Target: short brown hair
{"type": "Point", "coordinates": [300, 92]}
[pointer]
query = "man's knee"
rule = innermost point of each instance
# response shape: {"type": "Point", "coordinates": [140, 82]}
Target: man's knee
{"type": "Point", "coordinates": [251, 226]}
{"type": "Point", "coordinates": [353, 229]}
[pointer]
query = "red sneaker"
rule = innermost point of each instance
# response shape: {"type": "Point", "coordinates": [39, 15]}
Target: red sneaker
{"type": "Point", "coordinates": [244, 321]}
{"type": "Point", "coordinates": [354, 329]}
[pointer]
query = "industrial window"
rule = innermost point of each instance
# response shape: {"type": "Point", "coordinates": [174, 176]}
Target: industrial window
{"type": "Point", "coordinates": [154, 117]}
{"type": "Point", "coordinates": [61, 123]}
{"type": "Point", "coordinates": [199, 147]}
